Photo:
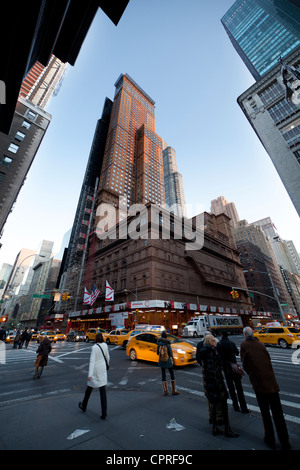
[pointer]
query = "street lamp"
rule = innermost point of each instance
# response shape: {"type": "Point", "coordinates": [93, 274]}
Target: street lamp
{"type": "Point", "coordinates": [274, 290]}
{"type": "Point", "coordinates": [126, 292]}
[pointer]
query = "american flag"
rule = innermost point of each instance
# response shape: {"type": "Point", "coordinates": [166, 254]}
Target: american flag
{"type": "Point", "coordinates": [94, 294]}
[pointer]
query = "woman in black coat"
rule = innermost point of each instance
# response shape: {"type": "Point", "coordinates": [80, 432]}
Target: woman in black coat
{"type": "Point", "coordinates": [213, 382]}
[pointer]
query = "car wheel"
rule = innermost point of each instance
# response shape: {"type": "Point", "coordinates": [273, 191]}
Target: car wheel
{"type": "Point", "coordinates": [107, 341]}
{"type": "Point", "coordinates": [86, 339]}
{"type": "Point", "coordinates": [125, 344]}
{"type": "Point", "coordinates": [132, 355]}
{"type": "Point", "coordinates": [195, 335]}
{"type": "Point", "coordinates": [282, 343]}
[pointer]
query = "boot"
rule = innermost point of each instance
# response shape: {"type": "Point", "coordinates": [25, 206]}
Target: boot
{"type": "Point", "coordinates": [165, 388]}
{"type": "Point", "coordinates": [40, 372]}
{"type": "Point", "coordinates": [36, 373]}
{"type": "Point", "coordinates": [174, 391]}
{"type": "Point", "coordinates": [229, 432]}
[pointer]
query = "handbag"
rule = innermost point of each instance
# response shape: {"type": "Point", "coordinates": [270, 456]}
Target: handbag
{"type": "Point", "coordinates": [237, 369]}
{"type": "Point", "coordinates": [107, 366]}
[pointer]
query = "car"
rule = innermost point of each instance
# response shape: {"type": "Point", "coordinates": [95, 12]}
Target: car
{"type": "Point", "coordinates": [10, 337]}
{"type": "Point", "coordinates": [75, 335]}
{"type": "Point", "coordinates": [122, 340]}
{"type": "Point", "coordinates": [112, 335]}
{"type": "Point", "coordinates": [60, 336]}
{"type": "Point", "coordinates": [90, 334]}
{"type": "Point", "coordinates": [278, 335]}
{"type": "Point", "coordinates": [144, 346]}
{"type": "Point", "coordinates": [49, 334]}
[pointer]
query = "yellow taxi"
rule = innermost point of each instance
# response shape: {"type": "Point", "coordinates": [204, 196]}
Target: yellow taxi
{"type": "Point", "coordinates": [90, 334]}
{"type": "Point", "coordinates": [60, 336]}
{"type": "Point", "coordinates": [10, 337]}
{"type": "Point", "coordinates": [122, 340]}
{"type": "Point", "coordinates": [49, 334]}
{"type": "Point", "coordinates": [113, 335]}
{"type": "Point", "coordinates": [278, 335]}
{"type": "Point", "coordinates": [144, 346]}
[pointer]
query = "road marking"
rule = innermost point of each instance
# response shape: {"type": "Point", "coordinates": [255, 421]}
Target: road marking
{"type": "Point", "coordinates": [130, 369]}
{"type": "Point", "coordinates": [34, 397]}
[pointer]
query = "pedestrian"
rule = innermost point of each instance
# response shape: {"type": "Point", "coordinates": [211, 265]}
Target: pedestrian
{"type": "Point", "coordinates": [165, 361]}
{"type": "Point", "coordinates": [27, 338]}
{"type": "Point", "coordinates": [2, 334]}
{"type": "Point", "coordinates": [233, 374]}
{"type": "Point", "coordinates": [97, 376]}
{"type": "Point", "coordinates": [23, 337]}
{"type": "Point", "coordinates": [214, 386]}
{"type": "Point", "coordinates": [17, 339]}
{"type": "Point", "coordinates": [219, 417]}
{"type": "Point", "coordinates": [43, 352]}
{"type": "Point", "coordinates": [257, 364]}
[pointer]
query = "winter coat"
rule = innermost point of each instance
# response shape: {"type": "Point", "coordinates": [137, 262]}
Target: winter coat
{"type": "Point", "coordinates": [228, 352]}
{"type": "Point", "coordinates": [43, 351]}
{"type": "Point", "coordinates": [97, 368]}
{"type": "Point", "coordinates": [169, 363]}
{"type": "Point", "coordinates": [257, 363]}
{"type": "Point", "coordinates": [213, 382]}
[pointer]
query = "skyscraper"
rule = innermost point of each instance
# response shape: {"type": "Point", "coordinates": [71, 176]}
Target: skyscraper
{"type": "Point", "coordinates": [221, 205]}
{"type": "Point", "coordinates": [133, 160]}
{"type": "Point", "coordinates": [174, 191]}
{"type": "Point", "coordinates": [276, 121]}
{"type": "Point", "coordinates": [262, 31]}
{"type": "Point", "coordinates": [18, 148]}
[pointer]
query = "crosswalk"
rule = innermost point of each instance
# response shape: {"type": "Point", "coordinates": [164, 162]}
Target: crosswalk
{"type": "Point", "coordinates": [9, 355]}
{"type": "Point", "coordinates": [189, 381]}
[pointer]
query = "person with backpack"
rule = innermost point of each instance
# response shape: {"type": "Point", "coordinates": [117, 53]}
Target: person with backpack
{"type": "Point", "coordinates": [165, 362]}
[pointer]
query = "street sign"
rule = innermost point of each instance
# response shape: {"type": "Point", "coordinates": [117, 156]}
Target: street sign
{"type": "Point", "coordinates": [41, 296]}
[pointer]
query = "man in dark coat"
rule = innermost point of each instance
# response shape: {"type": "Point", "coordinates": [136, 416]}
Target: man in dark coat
{"type": "Point", "coordinates": [257, 363]}
{"type": "Point", "coordinates": [228, 352]}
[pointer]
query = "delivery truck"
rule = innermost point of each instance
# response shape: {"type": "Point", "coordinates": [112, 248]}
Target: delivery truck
{"type": "Point", "coordinates": [197, 326]}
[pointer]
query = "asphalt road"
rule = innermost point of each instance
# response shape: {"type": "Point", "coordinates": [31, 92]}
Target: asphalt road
{"type": "Point", "coordinates": [43, 414]}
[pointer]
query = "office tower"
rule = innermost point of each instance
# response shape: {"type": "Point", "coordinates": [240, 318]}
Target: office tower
{"type": "Point", "coordinates": [74, 260]}
{"type": "Point", "coordinates": [41, 83]}
{"type": "Point", "coordinates": [221, 205]}
{"type": "Point", "coordinates": [174, 191]}
{"type": "Point", "coordinates": [133, 162]}
{"type": "Point", "coordinates": [262, 31]}
{"type": "Point", "coordinates": [244, 231]}
{"type": "Point", "coordinates": [18, 148]}
{"type": "Point", "coordinates": [5, 273]}
{"type": "Point", "coordinates": [276, 120]}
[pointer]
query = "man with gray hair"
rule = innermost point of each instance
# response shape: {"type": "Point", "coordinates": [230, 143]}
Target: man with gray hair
{"type": "Point", "coordinates": [257, 364]}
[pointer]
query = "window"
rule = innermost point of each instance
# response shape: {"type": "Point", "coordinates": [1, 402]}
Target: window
{"type": "Point", "coordinates": [6, 161]}
{"type": "Point", "coordinates": [31, 115]}
{"type": "Point", "coordinates": [26, 125]}
{"type": "Point", "coordinates": [13, 148]}
{"type": "Point", "coordinates": [20, 136]}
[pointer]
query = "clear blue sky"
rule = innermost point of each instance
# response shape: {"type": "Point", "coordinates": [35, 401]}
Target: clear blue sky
{"type": "Point", "coordinates": [179, 53]}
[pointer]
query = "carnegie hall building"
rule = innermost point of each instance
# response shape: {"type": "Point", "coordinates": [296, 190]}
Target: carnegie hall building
{"type": "Point", "coordinates": [158, 274]}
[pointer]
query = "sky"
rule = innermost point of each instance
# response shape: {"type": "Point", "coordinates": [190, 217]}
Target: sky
{"type": "Point", "coordinates": [180, 54]}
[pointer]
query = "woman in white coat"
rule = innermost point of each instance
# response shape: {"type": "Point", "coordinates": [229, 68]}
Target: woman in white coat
{"type": "Point", "coordinates": [97, 377]}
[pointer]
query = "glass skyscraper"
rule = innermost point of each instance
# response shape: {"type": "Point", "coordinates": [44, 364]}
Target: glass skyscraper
{"type": "Point", "coordinates": [262, 31]}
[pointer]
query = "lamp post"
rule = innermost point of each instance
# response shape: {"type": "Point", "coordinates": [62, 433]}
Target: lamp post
{"type": "Point", "coordinates": [126, 292]}
{"type": "Point", "coordinates": [274, 290]}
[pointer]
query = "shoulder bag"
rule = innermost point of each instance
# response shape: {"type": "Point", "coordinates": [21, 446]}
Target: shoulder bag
{"type": "Point", "coordinates": [107, 366]}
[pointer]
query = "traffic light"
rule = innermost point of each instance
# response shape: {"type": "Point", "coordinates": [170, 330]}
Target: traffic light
{"type": "Point", "coordinates": [3, 319]}
{"type": "Point", "coordinates": [65, 296]}
{"type": "Point", "coordinates": [234, 294]}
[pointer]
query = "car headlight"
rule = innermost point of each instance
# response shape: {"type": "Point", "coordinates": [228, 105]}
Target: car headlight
{"type": "Point", "coordinates": [180, 351]}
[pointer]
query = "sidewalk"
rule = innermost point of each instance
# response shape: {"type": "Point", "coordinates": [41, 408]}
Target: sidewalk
{"type": "Point", "coordinates": [136, 421]}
